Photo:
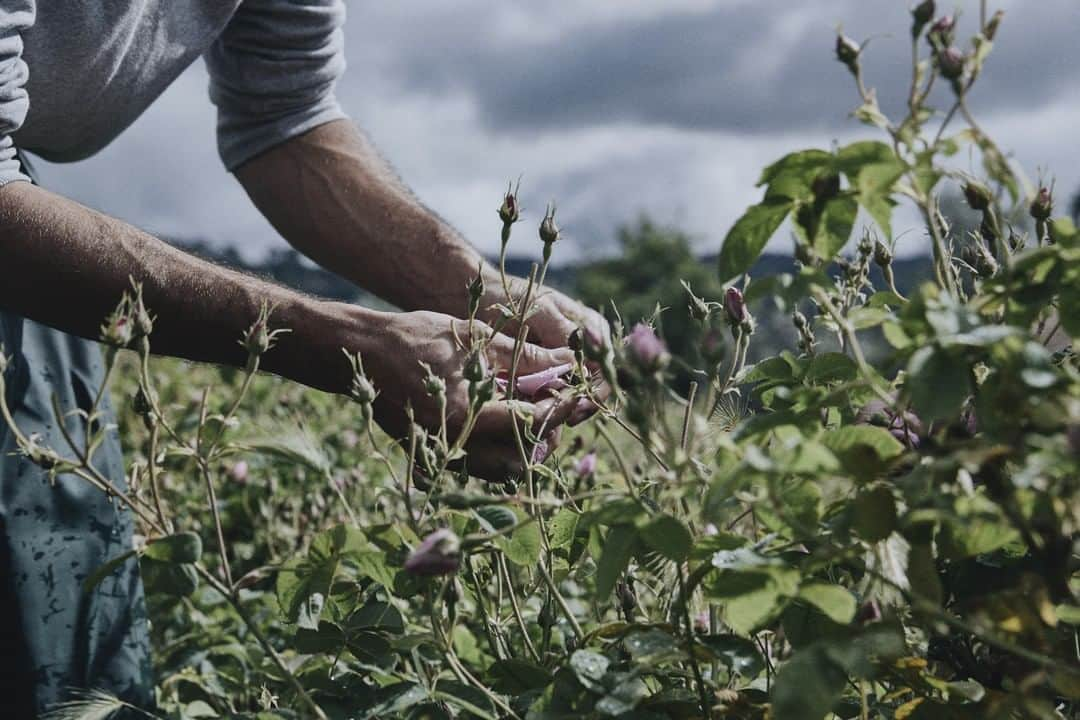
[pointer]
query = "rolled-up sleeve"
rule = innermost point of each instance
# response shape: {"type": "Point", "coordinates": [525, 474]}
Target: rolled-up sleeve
{"type": "Point", "coordinates": [16, 16]}
{"type": "Point", "coordinates": [273, 73]}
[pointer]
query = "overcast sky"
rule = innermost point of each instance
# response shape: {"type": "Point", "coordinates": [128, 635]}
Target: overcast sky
{"type": "Point", "coordinates": [610, 107]}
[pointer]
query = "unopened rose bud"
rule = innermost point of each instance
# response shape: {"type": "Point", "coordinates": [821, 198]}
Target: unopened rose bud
{"type": "Point", "coordinates": [847, 52]}
{"type": "Point", "coordinates": [480, 391]}
{"type": "Point", "coordinates": [594, 345]}
{"type": "Point", "coordinates": [951, 63]}
{"type": "Point", "coordinates": [118, 330]}
{"type": "Point", "coordinates": [434, 385]}
{"type": "Point", "coordinates": [509, 212]}
{"type": "Point", "coordinates": [475, 368]}
{"type": "Point", "coordinates": [476, 292]}
{"type": "Point", "coordinates": [646, 348]}
{"type": "Point", "coordinates": [628, 601]}
{"type": "Point", "coordinates": [942, 31]}
{"type": "Point", "coordinates": [978, 196]}
{"type": "Point", "coordinates": [799, 320]}
{"type": "Point", "coordinates": [549, 231]}
{"type": "Point", "coordinates": [1042, 207]}
{"type": "Point", "coordinates": [920, 15]}
{"type": "Point", "coordinates": [993, 24]}
{"type": "Point", "coordinates": [735, 306]}
{"type": "Point", "coordinates": [438, 554]}
{"type": "Point", "coordinates": [699, 309]}
{"type": "Point", "coordinates": [585, 466]}
{"type": "Point", "coordinates": [883, 255]}
{"type": "Point", "coordinates": [239, 471]}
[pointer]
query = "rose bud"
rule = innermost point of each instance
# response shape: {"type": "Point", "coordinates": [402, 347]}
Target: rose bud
{"type": "Point", "coordinates": [585, 466]}
{"type": "Point", "coordinates": [646, 348]}
{"type": "Point", "coordinates": [438, 554]}
{"type": "Point", "coordinates": [992, 25]}
{"type": "Point", "coordinates": [509, 212]}
{"type": "Point", "coordinates": [475, 368]}
{"type": "Point", "coordinates": [549, 231]}
{"type": "Point", "coordinates": [978, 195]}
{"type": "Point", "coordinates": [699, 309]}
{"type": "Point", "coordinates": [847, 52]}
{"type": "Point", "coordinates": [118, 330]}
{"type": "Point", "coordinates": [735, 306]}
{"type": "Point", "coordinates": [540, 452]}
{"type": "Point", "coordinates": [941, 32]}
{"type": "Point", "coordinates": [239, 472]}
{"type": "Point", "coordinates": [883, 255]}
{"type": "Point", "coordinates": [1043, 204]}
{"type": "Point", "coordinates": [951, 63]}
{"type": "Point", "coordinates": [921, 14]}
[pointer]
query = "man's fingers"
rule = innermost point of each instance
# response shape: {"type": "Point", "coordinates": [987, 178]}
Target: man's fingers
{"type": "Point", "coordinates": [533, 358]}
{"type": "Point", "coordinates": [495, 421]}
{"type": "Point", "coordinates": [497, 461]}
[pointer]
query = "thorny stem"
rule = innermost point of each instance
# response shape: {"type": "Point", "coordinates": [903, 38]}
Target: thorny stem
{"type": "Point", "coordinates": [563, 605]}
{"type": "Point", "coordinates": [204, 469]}
{"type": "Point", "coordinates": [501, 562]}
{"type": "Point", "coordinates": [706, 706]}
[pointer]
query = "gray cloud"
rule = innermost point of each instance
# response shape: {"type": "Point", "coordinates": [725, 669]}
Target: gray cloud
{"type": "Point", "coordinates": [611, 107]}
{"type": "Point", "coordinates": [752, 69]}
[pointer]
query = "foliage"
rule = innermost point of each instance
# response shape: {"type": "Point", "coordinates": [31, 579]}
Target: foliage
{"type": "Point", "coordinates": [867, 542]}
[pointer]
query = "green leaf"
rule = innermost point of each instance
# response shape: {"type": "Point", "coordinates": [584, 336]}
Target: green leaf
{"type": "Point", "coordinates": [589, 667]}
{"type": "Point", "coordinates": [807, 686]}
{"type": "Point", "coordinates": [851, 159]}
{"type": "Point", "coordinates": [617, 550]}
{"type": "Point", "coordinates": [836, 602]}
{"type": "Point", "coordinates": [835, 226]}
{"type": "Point", "coordinates": [746, 240]}
{"type": "Point", "coordinates": [105, 570]}
{"type": "Point", "coordinates": [514, 676]}
{"type": "Point", "coordinates": [739, 654]}
{"type": "Point", "coordinates": [376, 615]}
{"type": "Point", "coordinates": [864, 450]}
{"type": "Point", "coordinates": [937, 384]}
{"type": "Point", "coordinates": [668, 536]}
{"type": "Point", "coordinates": [563, 528]}
{"type": "Point", "coordinates": [496, 517]}
{"type": "Point", "coordinates": [166, 578]}
{"type": "Point", "coordinates": [804, 164]}
{"type": "Point", "coordinates": [831, 367]}
{"type": "Point", "coordinates": [328, 638]}
{"type": "Point", "coordinates": [184, 547]}
{"type": "Point", "coordinates": [523, 545]}
{"type": "Point", "coordinates": [875, 513]}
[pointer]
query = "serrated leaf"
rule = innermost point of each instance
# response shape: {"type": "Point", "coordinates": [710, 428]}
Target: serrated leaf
{"type": "Point", "coordinates": [748, 237]}
{"type": "Point", "coordinates": [668, 536]}
{"type": "Point", "coordinates": [837, 603]}
{"type": "Point", "coordinates": [563, 528]}
{"type": "Point", "coordinates": [617, 550]}
{"type": "Point", "coordinates": [523, 545]}
{"type": "Point", "coordinates": [184, 547]}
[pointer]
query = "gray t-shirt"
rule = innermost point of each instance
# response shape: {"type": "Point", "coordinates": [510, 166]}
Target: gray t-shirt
{"type": "Point", "coordinates": [75, 73]}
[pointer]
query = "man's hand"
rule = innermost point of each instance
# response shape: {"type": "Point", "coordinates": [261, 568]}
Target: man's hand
{"type": "Point", "coordinates": [392, 360]}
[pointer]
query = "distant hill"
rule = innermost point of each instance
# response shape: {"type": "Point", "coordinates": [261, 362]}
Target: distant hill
{"type": "Point", "coordinates": [290, 268]}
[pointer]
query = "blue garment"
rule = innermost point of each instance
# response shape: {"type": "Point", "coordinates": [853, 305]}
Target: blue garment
{"type": "Point", "coordinates": [54, 637]}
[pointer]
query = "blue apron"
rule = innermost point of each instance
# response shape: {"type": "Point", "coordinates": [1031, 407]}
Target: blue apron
{"type": "Point", "coordinates": [54, 637]}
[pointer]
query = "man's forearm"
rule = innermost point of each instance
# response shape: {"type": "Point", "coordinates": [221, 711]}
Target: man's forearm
{"type": "Point", "coordinates": [331, 195]}
{"type": "Point", "coordinates": [67, 266]}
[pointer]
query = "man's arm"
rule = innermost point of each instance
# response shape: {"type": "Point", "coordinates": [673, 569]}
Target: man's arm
{"type": "Point", "coordinates": [331, 195]}
{"type": "Point", "coordinates": [67, 266]}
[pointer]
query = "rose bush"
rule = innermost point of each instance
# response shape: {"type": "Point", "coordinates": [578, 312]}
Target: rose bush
{"type": "Point", "coordinates": [805, 536]}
